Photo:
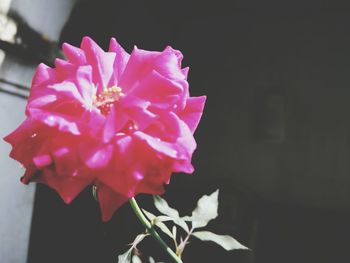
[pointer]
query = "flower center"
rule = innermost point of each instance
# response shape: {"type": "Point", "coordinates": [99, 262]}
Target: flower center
{"type": "Point", "coordinates": [106, 98]}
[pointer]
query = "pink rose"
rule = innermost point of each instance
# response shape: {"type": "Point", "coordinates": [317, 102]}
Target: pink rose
{"type": "Point", "coordinates": [121, 122]}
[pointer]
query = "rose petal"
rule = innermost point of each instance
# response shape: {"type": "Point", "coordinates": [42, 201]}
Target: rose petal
{"type": "Point", "coordinates": [74, 55]}
{"type": "Point", "coordinates": [54, 120]}
{"type": "Point", "coordinates": [168, 149]}
{"type": "Point", "coordinates": [67, 187]}
{"type": "Point", "coordinates": [67, 89]}
{"type": "Point", "coordinates": [96, 155]}
{"type": "Point", "coordinates": [163, 93]}
{"type": "Point", "coordinates": [64, 69]}
{"type": "Point", "coordinates": [109, 200]}
{"type": "Point", "coordinates": [193, 111]}
{"type": "Point", "coordinates": [43, 75]}
{"type": "Point", "coordinates": [121, 59]}
{"type": "Point", "coordinates": [42, 160]}
{"type": "Point", "coordinates": [27, 140]}
{"type": "Point", "coordinates": [101, 62]}
{"type": "Point", "coordinates": [142, 62]}
{"type": "Point", "coordinates": [85, 86]}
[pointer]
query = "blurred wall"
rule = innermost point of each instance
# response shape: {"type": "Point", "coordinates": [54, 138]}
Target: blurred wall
{"type": "Point", "coordinates": [16, 200]}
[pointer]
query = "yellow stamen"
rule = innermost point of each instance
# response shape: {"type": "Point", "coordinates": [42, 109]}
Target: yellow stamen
{"type": "Point", "coordinates": [106, 98]}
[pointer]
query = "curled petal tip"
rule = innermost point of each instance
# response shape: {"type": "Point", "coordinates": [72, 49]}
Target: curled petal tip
{"type": "Point", "coordinates": [87, 39]}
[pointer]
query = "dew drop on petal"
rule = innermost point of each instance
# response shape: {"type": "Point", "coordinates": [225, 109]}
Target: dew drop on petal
{"type": "Point", "coordinates": [51, 119]}
{"type": "Point", "coordinates": [33, 135]}
{"type": "Point", "coordinates": [138, 176]}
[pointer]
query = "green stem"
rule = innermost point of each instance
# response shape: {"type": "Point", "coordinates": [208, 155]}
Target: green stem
{"type": "Point", "coordinates": [152, 231]}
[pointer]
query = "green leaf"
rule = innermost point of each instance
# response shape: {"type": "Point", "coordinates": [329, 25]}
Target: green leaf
{"type": "Point", "coordinates": [156, 222]}
{"type": "Point", "coordinates": [163, 207]}
{"type": "Point", "coordinates": [206, 210]}
{"type": "Point", "coordinates": [180, 248]}
{"type": "Point", "coordinates": [165, 229]}
{"type": "Point", "coordinates": [126, 257]}
{"type": "Point", "coordinates": [187, 218]}
{"type": "Point", "coordinates": [226, 241]}
{"type": "Point", "coordinates": [149, 215]}
{"type": "Point", "coordinates": [180, 222]}
{"type": "Point", "coordinates": [174, 231]}
{"type": "Point", "coordinates": [138, 240]}
{"type": "Point", "coordinates": [163, 218]}
{"type": "Point", "coordinates": [136, 259]}
{"type": "Point", "coordinates": [151, 260]}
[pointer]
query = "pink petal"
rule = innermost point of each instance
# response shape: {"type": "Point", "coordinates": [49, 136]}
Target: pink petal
{"type": "Point", "coordinates": [67, 187]}
{"type": "Point", "coordinates": [181, 155]}
{"type": "Point", "coordinates": [162, 147]}
{"type": "Point", "coordinates": [110, 126]}
{"type": "Point", "coordinates": [183, 166]}
{"type": "Point", "coordinates": [121, 59]}
{"type": "Point", "coordinates": [169, 64]}
{"type": "Point", "coordinates": [193, 111]}
{"type": "Point", "coordinates": [173, 130]}
{"type": "Point", "coordinates": [137, 168]}
{"type": "Point", "coordinates": [74, 54]}
{"type": "Point", "coordinates": [54, 120]}
{"type": "Point", "coordinates": [64, 69]}
{"type": "Point", "coordinates": [91, 123]}
{"type": "Point", "coordinates": [30, 172]}
{"type": "Point", "coordinates": [167, 127]}
{"type": "Point", "coordinates": [163, 93]}
{"type": "Point", "coordinates": [66, 89]}
{"type": "Point", "coordinates": [43, 75]}
{"type": "Point", "coordinates": [142, 62]}
{"type": "Point", "coordinates": [42, 160]}
{"type": "Point", "coordinates": [185, 71]}
{"type": "Point", "coordinates": [96, 155]}
{"type": "Point", "coordinates": [101, 62]}
{"type": "Point", "coordinates": [85, 84]}
{"type": "Point", "coordinates": [65, 154]}
{"type": "Point", "coordinates": [118, 177]}
{"type": "Point", "coordinates": [153, 185]}
{"type": "Point", "coordinates": [136, 110]}
{"type": "Point", "coordinates": [186, 139]}
{"type": "Point", "coordinates": [42, 100]}
{"type": "Point", "coordinates": [109, 200]}
{"type": "Point", "coordinates": [130, 171]}
{"type": "Point", "coordinates": [177, 53]}
{"type": "Point", "coordinates": [26, 142]}
{"type": "Point", "coordinates": [62, 97]}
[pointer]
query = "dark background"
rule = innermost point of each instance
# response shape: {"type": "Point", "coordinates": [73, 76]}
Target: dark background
{"type": "Point", "coordinates": [274, 135]}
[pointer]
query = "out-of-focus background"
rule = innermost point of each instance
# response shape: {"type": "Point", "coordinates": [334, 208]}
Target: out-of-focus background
{"type": "Point", "coordinates": [274, 136]}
